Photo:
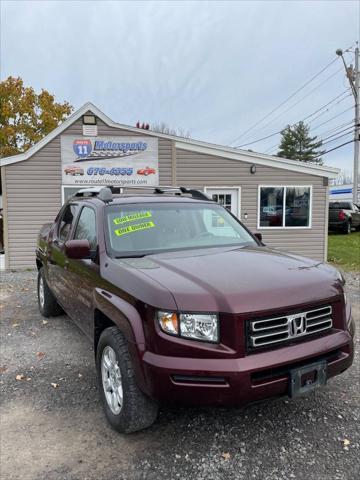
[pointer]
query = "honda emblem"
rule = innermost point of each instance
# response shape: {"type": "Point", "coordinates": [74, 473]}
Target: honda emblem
{"type": "Point", "coordinates": [297, 325]}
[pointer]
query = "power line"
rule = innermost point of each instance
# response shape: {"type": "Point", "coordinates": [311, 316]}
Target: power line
{"type": "Point", "coordinates": [351, 127]}
{"type": "Point", "coordinates": [332, 149]}
{"type": "Point", "coordinates": [340, 136]}
{"type": "Point", "coordinates": [323, 143]}
{"type": "Point", "coordinates": [286, 100]}
{"type": "Point", "coordinates": [308, 116]}
{"type": "Point", "coordinates": [269, 150]}
{"type": "Point", "coordinates": [332, 118]}
{"type": "Point", "coordinates": [301, 99]}
{"type": "Point", "coordinates": [335, 128]}
{"type": "Point", "coordinates": [328, 109]}
{"type": "Point", "coordinates": [331, 101]}
{"type": "Point", "coordinates": [273, 147]}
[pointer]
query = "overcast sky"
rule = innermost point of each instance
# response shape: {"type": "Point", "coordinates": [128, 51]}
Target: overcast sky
{"type": "Point", "coordinates": [213, 68]}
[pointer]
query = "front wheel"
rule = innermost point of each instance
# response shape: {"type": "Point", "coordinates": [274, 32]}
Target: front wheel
{"type": "Point", "coordinates": [126, 407]}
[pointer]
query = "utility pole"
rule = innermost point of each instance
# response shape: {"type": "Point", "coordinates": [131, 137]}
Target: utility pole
{"type": "Point", "coordinates": [357, 127]}
{"type": "Point", "coordinates": [353, 75]}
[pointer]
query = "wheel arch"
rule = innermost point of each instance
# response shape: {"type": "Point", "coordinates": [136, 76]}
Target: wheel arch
{"type": "Point", "coordinates": [109, 311]}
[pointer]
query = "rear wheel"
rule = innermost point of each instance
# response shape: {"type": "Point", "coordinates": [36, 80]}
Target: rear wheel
{"type": "Point", "coordinates": [347, 228]}
{"type": "Point", "coordinates": [126, 408]}
{"type": "Point", "coordinates": [48, 305]}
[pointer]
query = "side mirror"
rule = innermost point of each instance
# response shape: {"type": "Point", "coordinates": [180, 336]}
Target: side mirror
{"type": "Point", "coordinates": [77, 249]}
{"type": "Point", "coordinates": [258, 236]}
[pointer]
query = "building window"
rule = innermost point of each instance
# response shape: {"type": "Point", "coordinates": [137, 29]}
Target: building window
{"type": "Point", "coordinates": [284, 207]}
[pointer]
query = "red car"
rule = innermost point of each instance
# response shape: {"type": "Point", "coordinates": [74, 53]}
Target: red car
{"type": "Point", "coordinates": [183, 309]}
{"type": "Point", "coordinates": [146, 171]}
{"type": "Point", "coordinates": [73, 170]}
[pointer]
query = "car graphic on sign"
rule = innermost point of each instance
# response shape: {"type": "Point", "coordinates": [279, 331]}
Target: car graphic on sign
{"type": "Point", "coordinates": [73, 170]}
{"type": "Point", "coordinates": [146, 171]}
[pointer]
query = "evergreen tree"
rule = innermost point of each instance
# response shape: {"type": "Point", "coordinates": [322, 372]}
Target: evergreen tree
{"type": "Point", "coordinates": [297, 144]}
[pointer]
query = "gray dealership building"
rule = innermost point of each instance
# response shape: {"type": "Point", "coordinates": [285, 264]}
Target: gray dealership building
{"type": "Point", "coordinates": [285, 200]}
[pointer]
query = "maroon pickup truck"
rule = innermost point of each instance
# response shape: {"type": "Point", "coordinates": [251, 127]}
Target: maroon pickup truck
{"type": "Point", "coordinates": [184, 304]}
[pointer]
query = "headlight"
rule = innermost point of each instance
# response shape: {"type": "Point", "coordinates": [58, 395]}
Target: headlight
{"type": "Point", "coordinates": [199, 326]}
{"type": "Point", "coordinates": [194, 326]}
{"type": "Point", "coordinates": [341, 278]}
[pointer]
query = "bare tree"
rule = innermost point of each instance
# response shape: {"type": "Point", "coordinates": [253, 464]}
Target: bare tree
{"type": "Point", "coordinates": [163, 127]}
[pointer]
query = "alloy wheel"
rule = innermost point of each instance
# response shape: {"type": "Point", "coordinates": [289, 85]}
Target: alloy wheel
{"type": "Point", "coordinates": [41, 292]}
{"type": "Point", "coordinates": [111, 380]}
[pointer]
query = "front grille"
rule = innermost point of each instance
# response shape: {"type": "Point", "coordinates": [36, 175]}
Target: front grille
{"type": "Point", "coordinates": [269, 331]}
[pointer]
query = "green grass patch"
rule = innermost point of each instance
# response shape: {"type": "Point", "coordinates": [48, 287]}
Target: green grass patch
{"type": "Point", "coordinates": [344, 250]}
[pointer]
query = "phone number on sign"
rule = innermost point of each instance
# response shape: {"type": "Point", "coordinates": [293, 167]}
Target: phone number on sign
{"type": "Point", "coordinates": [109, 171]}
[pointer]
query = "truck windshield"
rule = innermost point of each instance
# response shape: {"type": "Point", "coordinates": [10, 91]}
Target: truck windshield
{"type": "Point", "coordinates": [142, 229]}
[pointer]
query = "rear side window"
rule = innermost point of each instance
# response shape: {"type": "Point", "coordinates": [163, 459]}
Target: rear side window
{"type": "Point", "coordinates": [67, 219]}
{"type": "Point", "coordinates": [343, 205]}
{"type": "Point", "coordinates": [86, 227]}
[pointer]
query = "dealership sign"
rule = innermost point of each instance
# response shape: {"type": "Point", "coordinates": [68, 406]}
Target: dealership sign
{"type": "Point", "coordinates": [109, 161]}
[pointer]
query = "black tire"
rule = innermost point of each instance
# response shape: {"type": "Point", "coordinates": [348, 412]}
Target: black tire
{"type": "Point", "coordinates": [49, 306]}
{"type": "Point", "coordinates": [138, 411]}
{"type": "Point", "coordinates": [347, 227]}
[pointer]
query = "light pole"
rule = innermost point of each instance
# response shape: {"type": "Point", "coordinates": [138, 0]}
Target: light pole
{"type": "Point", "coordinates": [353, 76]}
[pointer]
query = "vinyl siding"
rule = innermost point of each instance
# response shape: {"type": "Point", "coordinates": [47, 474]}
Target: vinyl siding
{"type": "Point", "coordinates": [199, 170]}
{"type": "Point", "coordinates": [33, 192]}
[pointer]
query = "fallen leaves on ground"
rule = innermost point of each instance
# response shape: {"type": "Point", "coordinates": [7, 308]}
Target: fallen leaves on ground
{"type": "Point", "coordinates": [22, 377]}
{"type": "Point", "coordinates": [226, 455]}
{"type": "Point", "coordinates": [55, 385]}
{"type": "Point", "coordinates": [44, 322]}
{"type": "Point", "coordinates": [40, 355]}
{"type": "Point", "coordinates": [3, 369]}
{"type": "Point", "coordinates": [15, 325]}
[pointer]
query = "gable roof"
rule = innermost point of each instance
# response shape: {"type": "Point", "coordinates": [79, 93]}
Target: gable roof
{"type": "Point", "coordinates": [181, 143]}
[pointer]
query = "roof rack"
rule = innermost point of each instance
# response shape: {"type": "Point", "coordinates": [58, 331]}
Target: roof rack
{"type": "Point", "coordinates": [105, 193]}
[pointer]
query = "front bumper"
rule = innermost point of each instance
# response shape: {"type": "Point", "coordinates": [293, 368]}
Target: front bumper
{"type": "Point", "coordinates": [238, 381]}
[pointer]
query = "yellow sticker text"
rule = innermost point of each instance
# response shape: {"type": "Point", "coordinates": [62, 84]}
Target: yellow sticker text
{"type": "Point", "coordinates": [134, 228]}
{"type": "Point", "coordinates": [132, 217]}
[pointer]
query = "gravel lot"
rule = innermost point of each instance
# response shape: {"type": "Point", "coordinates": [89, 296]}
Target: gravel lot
{"type": "Point", "coordinates": [59, 432]}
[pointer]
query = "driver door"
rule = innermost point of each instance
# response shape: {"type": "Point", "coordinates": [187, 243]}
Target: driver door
{"type": "Point", "coordinates": [82, 275]}
{"type": "Point", "coordinates": [57, 260]}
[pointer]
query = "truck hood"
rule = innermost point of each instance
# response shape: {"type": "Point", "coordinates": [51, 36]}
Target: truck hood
{"type": "Point", "coordinates": [238, 280]}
